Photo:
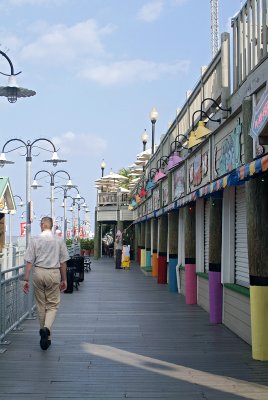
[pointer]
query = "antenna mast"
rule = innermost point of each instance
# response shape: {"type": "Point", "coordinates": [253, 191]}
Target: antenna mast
{"type": "Point", "coordinates": [214, 18]}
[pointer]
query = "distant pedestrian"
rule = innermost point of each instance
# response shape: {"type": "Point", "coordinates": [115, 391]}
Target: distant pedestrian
{"type": "Point", "coordinates": [48, 254]}
{"type": "Point", "coordinates": [118, 249]}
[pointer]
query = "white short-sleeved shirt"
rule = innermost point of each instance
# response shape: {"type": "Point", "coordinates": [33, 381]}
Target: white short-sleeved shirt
{"type": "Point", "coordinates": [46, 250]}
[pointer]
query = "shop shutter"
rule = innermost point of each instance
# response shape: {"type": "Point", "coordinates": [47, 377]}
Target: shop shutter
{"type": "Point", "coordinates": [206, 235]}
{"type": "Point", "coordinates": [241, 245]}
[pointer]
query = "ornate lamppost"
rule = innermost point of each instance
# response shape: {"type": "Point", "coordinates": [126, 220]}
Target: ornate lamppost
{"type": "Point", "coordinates": [64, 204]}
{"type": "Point", "coordinates": [28, 147]}
{"type": "Point", "coordinates": [153, 118]}
{"type": "Point", "coordinates": [52, 185]}
{"type": "Point", "coordinates": [103, 165]}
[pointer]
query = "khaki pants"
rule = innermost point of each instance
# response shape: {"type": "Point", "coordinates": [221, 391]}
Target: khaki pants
{"type": "Point", "coordinates": [47, 294]}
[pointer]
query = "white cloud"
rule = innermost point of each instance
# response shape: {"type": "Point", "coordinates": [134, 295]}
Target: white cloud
{"type": "Point", "coordinates": [151, 11]}
{"type": "Point", "coordinates": [61, 44]}
{"type": "Point", "coordinates": [70, 143]}
{"type": "Point", "coordinates": [125, 72]}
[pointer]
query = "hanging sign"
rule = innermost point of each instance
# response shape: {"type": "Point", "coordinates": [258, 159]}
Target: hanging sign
{"type": "Point", "coordinates": [179, 183]}
{"type": "Point", "coordinates": [23, 229]}
{"type": "Point", "coordinates": [259, 123]}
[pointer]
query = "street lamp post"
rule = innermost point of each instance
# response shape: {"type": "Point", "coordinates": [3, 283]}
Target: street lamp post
{"type": "Point", "coordinates": [52, 184]}
{"type": "Point", "coordinates": [28, 146]}
{"type": "Point", "coordinates": [153, 118]}
{"type": "Point", "coordinates": [144, 138]}
{"type": "Point", "coordinates": [64, 205]}
{"type": "Point", "coordinates": [103, 165]}
{"type": "Point", "coordinates": [77, 201]}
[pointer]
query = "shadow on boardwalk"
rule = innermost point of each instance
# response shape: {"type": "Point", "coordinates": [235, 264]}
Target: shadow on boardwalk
{"type": "Point", "coordinates": [121, 335]}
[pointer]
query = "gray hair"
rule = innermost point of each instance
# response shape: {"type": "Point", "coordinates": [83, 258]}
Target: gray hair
{"type": "Point", "coordinates": [47, 222]}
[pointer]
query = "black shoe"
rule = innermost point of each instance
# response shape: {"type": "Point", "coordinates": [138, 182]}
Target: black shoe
{"type": "Point", "coordinates": [44, 341]}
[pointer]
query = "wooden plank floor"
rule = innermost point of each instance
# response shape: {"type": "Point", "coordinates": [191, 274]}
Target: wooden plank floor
{"type": "Point", "coordinates": [124, 336]}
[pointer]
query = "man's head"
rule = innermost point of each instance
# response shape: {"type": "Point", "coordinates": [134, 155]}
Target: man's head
{"type": "Point", "coordinates": [46, 223]}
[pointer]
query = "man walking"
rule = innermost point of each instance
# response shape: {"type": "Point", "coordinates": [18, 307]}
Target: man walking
{"type": "Point", "coordinates": [48, 254]}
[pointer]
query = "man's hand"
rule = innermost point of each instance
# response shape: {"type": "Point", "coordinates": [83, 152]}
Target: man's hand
{"type": "Point", "coordinates": [26, 287]}
{"type": "Point", "coordinates": [63, 285]}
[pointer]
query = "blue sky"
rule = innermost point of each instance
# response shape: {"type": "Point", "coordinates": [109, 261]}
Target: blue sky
{"type": "Point", "coordinates": [98, 67]}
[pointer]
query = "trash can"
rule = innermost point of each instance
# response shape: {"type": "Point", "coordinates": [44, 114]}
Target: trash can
{"type": "Point", "coordinates": [70, 279]}
{"type": "Point", "coordinates": [78, 262]}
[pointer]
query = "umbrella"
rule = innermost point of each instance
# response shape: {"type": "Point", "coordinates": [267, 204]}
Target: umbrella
{"type": "Point", "coordinates": [113, 176]}
{"type": "Point", "coordinates": [124, 190]}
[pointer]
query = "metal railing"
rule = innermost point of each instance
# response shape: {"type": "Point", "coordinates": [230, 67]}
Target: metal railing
{"type": "Point", "coordinates": [250, 43]}
{"type": "Point", "coordinates": [14, 304]}
{"type": "Point", "coordinates": [73, 249]}
{"type": "Point", "coordinates": [110, 199]}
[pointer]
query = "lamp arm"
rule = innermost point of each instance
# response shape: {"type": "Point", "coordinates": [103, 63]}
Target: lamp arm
{"type": "Point", "coordinates": [13, 140]}
{"type": "Point", "coordinates": [152, 170]}
{"type": "Point", "coordinates": [215, 102]}
{"type": "Point", "coordinates": [203, 113]}
{"type": "Point", "coordinates": [16, 195]}
{"type": "Point", "coordinates": [170, 146]}
{"type": "Point", "coordinates": [61, 170]}
{"type": "Point", "coordinates": [10, 63]}
{"type": "Point", "coordinates": [46, 140]}
{"type": "Point", "coordinates": [41, 170]}
{"type": "Point", "coordinates": [163, 159]}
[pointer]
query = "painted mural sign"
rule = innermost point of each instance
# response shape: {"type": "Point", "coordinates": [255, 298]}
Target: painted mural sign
{"type": "Point", "coordinates": [230, 152]}
{"type": "Point", "coordinates": [156, 199]}
{"type": "Point", "coordinates": [179, 183]}
{"type": "Point", "coordinates": [165, 193]}
{"type": "Point", "coordinates": [205, 164]}
{"type": "Point", "coordinates": [149, 205]}
{"type": "Point", "coordinates": [195, 171]}
{"type": "Point", "coordinates": [259, 123]}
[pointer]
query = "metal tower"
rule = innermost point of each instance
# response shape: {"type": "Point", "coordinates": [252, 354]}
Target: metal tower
{"type": "Point", "coordinates": [214, 19]}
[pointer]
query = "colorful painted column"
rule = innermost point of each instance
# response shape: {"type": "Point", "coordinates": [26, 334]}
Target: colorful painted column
{"type": "Point", "coordinates": [162, 254]}
{"type": "Point", "coordinates": [138, 241]}
{"type": "Point", "coordinates": [154, 242]}
{"type": "Point", "coordinates": [148, 262]}
{"type": "Point", "coordinates": [173, 250]}
{"type": "Point", "coordinates": [257, 222]}
{"type": "Point", "coordinates": [190, 264]}
{"type": "Point", "coordinates": [142, 246]}
{"type": "Point", "coordinates": [215, 241]}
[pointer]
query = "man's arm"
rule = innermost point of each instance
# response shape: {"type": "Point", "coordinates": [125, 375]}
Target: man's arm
{"type": "Point", "coordinates": [63, 273]}
{"type": "Point", "coordinates": [26, 277]}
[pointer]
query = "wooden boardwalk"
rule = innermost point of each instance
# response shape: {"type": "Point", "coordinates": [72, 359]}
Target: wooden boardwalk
{"type": "Point", "coordinates": [121, 335]}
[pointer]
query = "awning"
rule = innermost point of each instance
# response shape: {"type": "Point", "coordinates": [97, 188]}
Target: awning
{"type": "Point", "coordinates": [235, 178]}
